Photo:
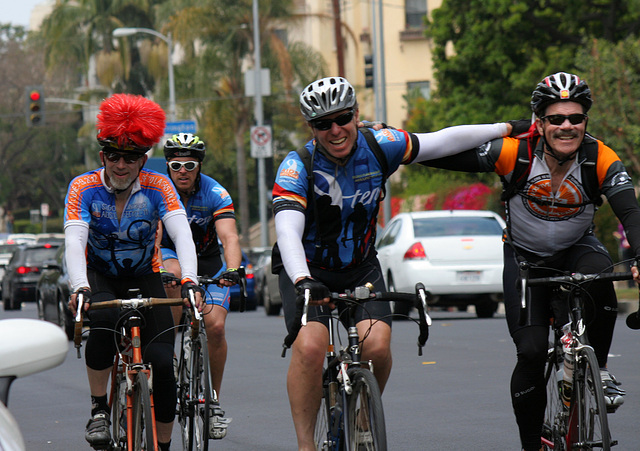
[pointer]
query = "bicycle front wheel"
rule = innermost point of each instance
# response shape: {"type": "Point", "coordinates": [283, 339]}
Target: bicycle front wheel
{"type": "Point", "coordinates": [202, 393]}
{"type": "Point", "coordinates": [119, 410]}
{"type": "Point", "coordinates": [591, 431]}
{"type": "Point", "coordinates": [185, 405]}
{"type": "Point", "coordinates": [328, 433]}
{"type": "Point", "coordinates": [143, 427]}
{"type": "Point", "coordinates": [364, 418]}
{"type": "Point", "coordinates": [553, 427]}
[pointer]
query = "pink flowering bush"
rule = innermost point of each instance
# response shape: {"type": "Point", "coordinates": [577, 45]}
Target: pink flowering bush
{"type": "Point", "coordinates": [471, 197]}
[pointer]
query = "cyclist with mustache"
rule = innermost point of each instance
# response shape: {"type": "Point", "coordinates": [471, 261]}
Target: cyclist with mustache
{"type": "Point", "coordinates": [550, 210]}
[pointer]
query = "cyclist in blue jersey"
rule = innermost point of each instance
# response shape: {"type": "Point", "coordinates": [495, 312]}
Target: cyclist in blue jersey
{"type": "Point", "coordinates": [112, 218]}
{"type": "Point", "coordinates": [326, 233]}
{"type": "Point", "coordinates": [211, 216]}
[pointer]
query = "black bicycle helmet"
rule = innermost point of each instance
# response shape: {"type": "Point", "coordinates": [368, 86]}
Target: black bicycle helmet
{"type": "Point", "coordinates": [560, 87]}
{"type": "Point", "coordinates": [184, 145]}
{"type": "Point", "coordinates": [326, 96]}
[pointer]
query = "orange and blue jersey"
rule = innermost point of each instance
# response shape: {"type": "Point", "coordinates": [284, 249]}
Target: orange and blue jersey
{"type": "Point", "coordinates": [125, 247]}
{"type": "Point", "coordinates": [208, 204]}
{"type": "Point", "coordinates": [341, 232]}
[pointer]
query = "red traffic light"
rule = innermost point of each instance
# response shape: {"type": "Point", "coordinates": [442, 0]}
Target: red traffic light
{"type": "Point", "coordinates": [34, 96]}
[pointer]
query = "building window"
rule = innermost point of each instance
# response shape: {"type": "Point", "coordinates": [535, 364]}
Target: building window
{"type": "Point", "coordinates": [415, 11]}
{"type": "Point", "coordinates": [419, 88]}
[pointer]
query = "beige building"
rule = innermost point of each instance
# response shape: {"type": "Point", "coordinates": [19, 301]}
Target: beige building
{"type": "Point", "coordinates": [407, 53]}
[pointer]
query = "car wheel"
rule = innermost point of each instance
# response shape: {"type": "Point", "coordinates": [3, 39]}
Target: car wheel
{"type": "Point", "coordinates": [65, 320]}
{"type": "Point", "coordinates": [270, 308]}
{"type": "Point", "coordinates": [486, 307]}
{"type": "Point", "coordinates": [401, 309]}
{"type": "Point", "coordinates": [14, 303]}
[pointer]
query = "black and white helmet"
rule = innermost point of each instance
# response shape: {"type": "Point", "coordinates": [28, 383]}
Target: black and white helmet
{"type": "Point", "coordinates": [326, 96]}
{"type": "Point", "coordinates": [560, 87]}
{"type": "Point", "coordinates": [184, 145]}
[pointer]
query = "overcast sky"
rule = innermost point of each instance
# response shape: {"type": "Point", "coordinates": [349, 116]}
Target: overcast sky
{"type": "Point", "coordinates": [18, 12]}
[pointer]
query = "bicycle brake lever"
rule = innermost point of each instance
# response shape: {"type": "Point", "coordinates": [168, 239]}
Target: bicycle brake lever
{"type": "Point", "coordinates": [192, 300]}
{"type": "Point", "coordinates": [305, 308]}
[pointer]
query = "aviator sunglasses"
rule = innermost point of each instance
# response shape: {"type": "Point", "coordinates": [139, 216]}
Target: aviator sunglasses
{"type": "Point", "coordinates": [128, 158]}
{"type": "Point", "coordinates": [188, 165]}
{"type": "Point", "coordinates": [558, 119]}
{"type": "Point", "coordinates": [325, 124]}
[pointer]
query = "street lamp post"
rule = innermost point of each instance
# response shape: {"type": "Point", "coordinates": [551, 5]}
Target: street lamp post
{"type": "Point", "coordinates": [122, 32]}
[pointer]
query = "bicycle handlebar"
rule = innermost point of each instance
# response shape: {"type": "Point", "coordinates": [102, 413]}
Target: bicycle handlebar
{"type": "Point", "coordinates": [206, 280]}
{"type": "Point", "coordinates": [358, 296]}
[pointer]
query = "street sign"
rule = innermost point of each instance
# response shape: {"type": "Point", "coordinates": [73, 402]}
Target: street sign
{"type": "Point", "coordinates": [261, 142]}
{"type": "Point", "coordinates": [44, 209]}
{"type": "Point", "coordinates": [180, 127]}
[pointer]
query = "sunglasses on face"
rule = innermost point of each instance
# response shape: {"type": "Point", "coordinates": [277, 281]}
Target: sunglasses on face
{"type": "Point", "coordinates": [325, 124]}
{"type": "Point", "coordinates": [129, 158]}
{"type": "Point", "coordinates": [558, 119]}
{"type": "Point", "coordinates": [188, 165]}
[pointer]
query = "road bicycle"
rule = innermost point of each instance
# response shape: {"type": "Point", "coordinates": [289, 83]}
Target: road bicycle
{"type": "Point", "coordinates": [577, 420]}
{"type": "Point", "coordinates": [351, 415]}
{"type": "Point", "coordinates": [195, 393]}
{"type": "Point", "coordinates": [131, 395]}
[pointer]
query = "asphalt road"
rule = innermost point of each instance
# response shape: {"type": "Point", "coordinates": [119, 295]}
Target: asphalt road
{"type": "Point", "coordinates": [454, 397]}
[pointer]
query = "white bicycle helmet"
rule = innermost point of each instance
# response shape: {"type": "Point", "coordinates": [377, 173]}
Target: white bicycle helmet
{"type": "Point", "coordinates": [560, 87]}
{"type": "Point", "coordinates": [326, 96]}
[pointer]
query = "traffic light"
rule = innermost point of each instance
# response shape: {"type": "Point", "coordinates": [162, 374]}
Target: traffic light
{"type": "Point", "coordinates": [35, 105]}
{"type": "Point", "coordinates": [368, 71]}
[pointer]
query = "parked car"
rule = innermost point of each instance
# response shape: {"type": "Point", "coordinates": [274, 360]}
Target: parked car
{"type": "Point", "coordinates": [50, 238]}
{"type": "Point", "coordinates": [260, 256]}
{"type": "Point", "coordinates": [23, 272]}
{"type": "Point", "coordinates": [271, 291]}
{"type": "Point", "coordinates": [21, 238]}
{"type": "Point", "coordinates": [6, 251]}
{"type": "Point", "coordinates": [456, 254]}
{"type": "Point", "coordinates": [52, 293]}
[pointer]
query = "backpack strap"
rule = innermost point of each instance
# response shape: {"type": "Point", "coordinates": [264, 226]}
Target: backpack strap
{"type": "Point", "coordinates": [520, 171]}
{"type": "Point", "coordinates": [380, 156]}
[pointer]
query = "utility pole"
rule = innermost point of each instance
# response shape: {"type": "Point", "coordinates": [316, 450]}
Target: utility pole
{"type": "Point", "coordinates": [337, 25]}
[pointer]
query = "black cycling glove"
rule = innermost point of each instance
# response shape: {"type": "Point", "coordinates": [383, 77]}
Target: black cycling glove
{"type": "Point", "coordinates": [168, 277]}
{"type": "Point", "coordinates": [232, 275]}
{"type": "Point", "coordinates": [317, 289]}
{"type": "Point", "coordinates": [86, 295]}
{"type": "Point", "coordinates": [519, 127]}
{"type": "Point", "coordinates": [188, 286]}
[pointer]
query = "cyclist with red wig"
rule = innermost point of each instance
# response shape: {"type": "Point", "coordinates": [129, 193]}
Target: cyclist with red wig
{"type": "Point", "coordinates": [112, 217]}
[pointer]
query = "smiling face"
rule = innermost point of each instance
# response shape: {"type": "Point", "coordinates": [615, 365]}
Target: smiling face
{"type": "Point", "coordinates": [183, 179]}
{"type": "Point", "coordinates": [338, 140]}
{"type": "Point", "coordinates": [121, 173]}
{"type": "Point", "coordinates": [565, 138]}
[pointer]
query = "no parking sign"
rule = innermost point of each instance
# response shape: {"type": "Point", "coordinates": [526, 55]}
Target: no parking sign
{"type": "Point", "coordinates": [261, 142]}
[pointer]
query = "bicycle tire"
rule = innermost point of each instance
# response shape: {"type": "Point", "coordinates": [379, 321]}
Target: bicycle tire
{"type": "Point", "coordinates": [364, 419]}
{"type": "Point", "coordinates": [329, 430]}
{"type": "Point", "coordinates": [119, 411]}
{"type": "Point", "coordinates": [185, 406]}
{"type": "Point", "coordinates": [592, 427]}
{"type": "Point", "coordinates": [553, 427]}
{"type": "Point", "coordinates": [143, 426]}
{"type": "Point", "coordinates": [202, 393]}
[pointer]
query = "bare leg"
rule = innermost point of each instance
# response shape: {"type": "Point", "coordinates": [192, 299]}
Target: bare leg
{"type": "Point", "coordinates": [214, 322]}
{"type": "Point", "coordinates": [377, 348]}
{"type": "Point", "coordinates": [304, 381]}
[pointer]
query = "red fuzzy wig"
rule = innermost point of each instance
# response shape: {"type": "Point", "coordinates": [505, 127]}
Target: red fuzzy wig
{"type": "Point", "coordinates": [130, 122]}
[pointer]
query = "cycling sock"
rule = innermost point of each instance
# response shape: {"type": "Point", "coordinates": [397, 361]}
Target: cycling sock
{"type": "Point", "coordinates": [164, 446]}
{"type": "Point", "coordinates": [99, 404]}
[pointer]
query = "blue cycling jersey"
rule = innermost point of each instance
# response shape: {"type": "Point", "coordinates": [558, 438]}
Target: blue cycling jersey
{"type": "Point", "coordinates": [341, 232]}
{"type": "Point", "coordinates": [126, 247]}
{"type": "Point", "coordinates": [209, 203]}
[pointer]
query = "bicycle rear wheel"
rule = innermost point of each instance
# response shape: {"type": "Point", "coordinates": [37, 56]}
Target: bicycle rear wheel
{"type": "Point", "coordinates": [202, 393]}
{"type": "Point", "coordinates": [592, 428]}
{"type": "Point", "coordinates": [142, 415]}
{"type": "Point", "coordinates": [553, 427]}
{"type": "Point", "coordinates": [119, 411]}
{"type": "Point", "coordinates": [329, 431]}
{"type": "Point", "coordinates": [365, 424]}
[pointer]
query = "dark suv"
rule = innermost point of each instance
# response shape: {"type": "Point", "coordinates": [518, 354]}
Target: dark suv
{"type": "Point", "coordinates": [22, 273]}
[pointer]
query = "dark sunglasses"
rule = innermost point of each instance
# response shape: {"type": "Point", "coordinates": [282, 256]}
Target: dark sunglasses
{"type": "Point", "coordinates": [129, 158]}
{"type": "Point", "coordinates": [558, 119]}
{"type": "Point", "coordinates": [188, 165]}
{"type": "Point", "coordinates": [325, 124]}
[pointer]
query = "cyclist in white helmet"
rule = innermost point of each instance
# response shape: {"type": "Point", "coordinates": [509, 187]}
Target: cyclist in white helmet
{"type": "Point", "coordinates": [211, 217]}
{"type": "Point", "coordinates": [326, 233]}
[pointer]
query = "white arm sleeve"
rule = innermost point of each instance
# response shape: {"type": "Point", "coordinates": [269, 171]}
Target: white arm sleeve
{"type": "Point", "coordinates": [289, 230]}
{"type": "Point", "coordinates": [453, 140]}
{"type": "Point", "coordinates": [178, 229]}
{"type": "Point", "coordinates": [76, 234]}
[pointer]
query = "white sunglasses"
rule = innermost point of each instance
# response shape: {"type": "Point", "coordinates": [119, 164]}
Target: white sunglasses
{"type": "Point", "coordinates": [188, 165]}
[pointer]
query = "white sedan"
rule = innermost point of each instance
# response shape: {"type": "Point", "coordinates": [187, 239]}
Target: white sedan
{"type": "Point", "coordinates": [456, 254]}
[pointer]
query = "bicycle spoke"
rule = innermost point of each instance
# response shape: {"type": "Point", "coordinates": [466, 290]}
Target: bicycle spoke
{"type": "Point", "coordinates": [365, 417]}
{"type": "Point", "coordinates": [321, 437]}
{"type": "Point", "coordinates": [553, 427]}
{"type": "Point", "coordinates": [593, 426]}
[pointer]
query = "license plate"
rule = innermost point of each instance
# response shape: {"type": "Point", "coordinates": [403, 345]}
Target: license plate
{"type": "Point", "coordinates": [468, 276]}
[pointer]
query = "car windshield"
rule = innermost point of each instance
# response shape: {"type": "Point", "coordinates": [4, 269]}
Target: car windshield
{"type": "Point", "coordinates": [455, 226]}
{"type": "Point", "coordinates": [40, 254]}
